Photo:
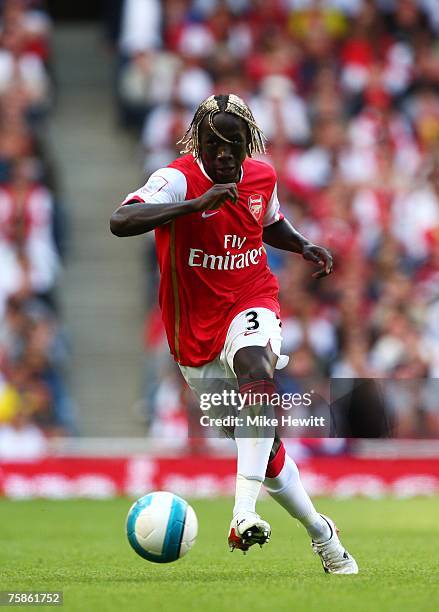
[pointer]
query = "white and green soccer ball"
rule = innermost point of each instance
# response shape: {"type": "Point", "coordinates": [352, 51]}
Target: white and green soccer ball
{"type": "Point", "coordinates": [161, 527]}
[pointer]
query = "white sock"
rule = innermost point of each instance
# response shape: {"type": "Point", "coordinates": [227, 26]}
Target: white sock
{"type": "Point", "coordinates": [247, 492]}
{"type": "Point", "coordinates": [253, 455]}
{"type": "Point", "coordinates": [287, 489]}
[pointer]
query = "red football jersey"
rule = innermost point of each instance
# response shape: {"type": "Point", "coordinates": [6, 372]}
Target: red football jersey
{"type": "Point", "coordinates": [213, 264]}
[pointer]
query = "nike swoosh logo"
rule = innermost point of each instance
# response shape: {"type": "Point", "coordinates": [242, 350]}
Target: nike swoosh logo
{"type": "Point", "coordinates": [206, 214]}
{"type": "Point", "coordinates": [248, 333]}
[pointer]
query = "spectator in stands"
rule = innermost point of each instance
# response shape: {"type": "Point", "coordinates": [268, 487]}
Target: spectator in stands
{"type": "Point", "coordinates": [280, 112]}
{"type": "Point", "coordinates": [26, 236]}
{"type": "Point", "coordinates": [21, 439]}
{"type": "Point", "coordinates": [146, 81]}
{"type": "Point", "coordinates": [140, 26]}
{"type": "Point", "coordinates": [22, 68]}
{"type": "Point", "coordinates": [416, 212]}
{"type": "Point", "coordinates": [161, 132]}
{"type": "Point", "coordinates": [33, 355]}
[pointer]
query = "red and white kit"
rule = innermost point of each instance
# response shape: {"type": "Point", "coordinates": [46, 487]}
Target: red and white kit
{"type": "Point", "coordinates": [213, 264]}
{"type": "Point", "coordinates": [217, 295]}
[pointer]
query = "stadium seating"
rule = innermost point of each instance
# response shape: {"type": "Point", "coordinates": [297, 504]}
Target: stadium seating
{"type": "Point", "coordinates": [33, 396]}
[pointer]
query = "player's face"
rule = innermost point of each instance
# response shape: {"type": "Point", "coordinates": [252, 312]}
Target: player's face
{"type": "Point", "coordinates": [222, 160]}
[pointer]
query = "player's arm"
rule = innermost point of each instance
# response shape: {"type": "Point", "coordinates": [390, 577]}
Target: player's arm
{"type": "Point", "coordinates": [134, 217]}
{"type": "Point", "coordinates": [278, 232]}
{"type": "Point", "coordinates": [282, 235]}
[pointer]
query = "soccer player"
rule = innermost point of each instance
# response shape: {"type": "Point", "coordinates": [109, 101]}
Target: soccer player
{"type": "Point", "coordinates": [212, 209]}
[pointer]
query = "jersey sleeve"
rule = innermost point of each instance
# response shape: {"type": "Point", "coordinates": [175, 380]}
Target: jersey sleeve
{"type": "Point", "coordinates": [272, 212]}
{"type": "Point", "coordinates": [166, 185]}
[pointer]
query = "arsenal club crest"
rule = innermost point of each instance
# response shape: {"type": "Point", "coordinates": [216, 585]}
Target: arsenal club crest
{"type": "Point", "coordinates": [255, 206]}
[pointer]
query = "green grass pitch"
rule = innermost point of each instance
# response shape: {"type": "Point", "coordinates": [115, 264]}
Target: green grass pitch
{"type": "Point", "coordinates": [80, 547]}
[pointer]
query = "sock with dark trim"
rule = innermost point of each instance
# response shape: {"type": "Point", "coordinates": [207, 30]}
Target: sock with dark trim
{"type": "Point", "coordinates": [284, 485]}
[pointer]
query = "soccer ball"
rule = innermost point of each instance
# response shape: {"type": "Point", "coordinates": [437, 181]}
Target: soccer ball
{"type": "Point", "coordinates": [161, 527]}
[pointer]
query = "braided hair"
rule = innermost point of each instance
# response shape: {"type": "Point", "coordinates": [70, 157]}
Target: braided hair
{"type": "Point", "coordinates": [229, 103]}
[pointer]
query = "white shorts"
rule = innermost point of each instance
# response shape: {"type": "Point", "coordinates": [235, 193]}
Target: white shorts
{"type": "Point", "coordinates": [251, 327]}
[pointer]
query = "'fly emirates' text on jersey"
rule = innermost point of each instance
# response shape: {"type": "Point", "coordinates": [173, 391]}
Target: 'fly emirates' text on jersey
{"type": "Point", "coordinates": [213, 264]}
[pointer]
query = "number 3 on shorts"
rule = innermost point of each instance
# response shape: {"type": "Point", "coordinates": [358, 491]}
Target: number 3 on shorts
{"type": "Point", "coordinates": [252, 320]}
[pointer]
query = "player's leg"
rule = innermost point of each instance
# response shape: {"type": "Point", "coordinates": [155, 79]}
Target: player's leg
{"type": "Point", "coordinates": [209, 379]}
{"type": "Point", "coordinates": [212, 378]}
{"type": "Point", "coordinates": [251, 354]}
{"type": "Point", "coordinates": [283, 483]}
{"type": "Point", "coordinates": [254, 368]}
{"type": "Point", "coordinates": [282, 476]}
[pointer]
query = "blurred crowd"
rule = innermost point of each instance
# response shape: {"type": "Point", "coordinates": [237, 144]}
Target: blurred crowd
{"type": "Point", "coordinates": [347, 93]}
{"type": "Point", "coordinates": [34, 401]}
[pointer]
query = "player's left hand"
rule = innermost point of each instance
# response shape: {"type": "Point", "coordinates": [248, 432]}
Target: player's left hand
{"type": "Point", "coordinates": [319, 256]}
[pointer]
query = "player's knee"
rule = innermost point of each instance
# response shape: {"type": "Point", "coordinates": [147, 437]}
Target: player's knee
{"type": "Point", "coordinates": [253, 365]}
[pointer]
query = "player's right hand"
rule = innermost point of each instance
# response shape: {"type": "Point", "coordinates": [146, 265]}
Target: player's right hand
{"type": "Point", "coordinates": [215, 197]}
